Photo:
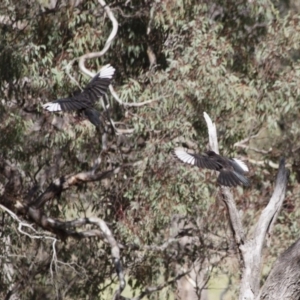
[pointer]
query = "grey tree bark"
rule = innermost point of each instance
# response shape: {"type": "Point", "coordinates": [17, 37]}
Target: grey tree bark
{"type": "Point", "coordinates": [251, 248]}
{"type": "Point", "coordinates": [283, 281]}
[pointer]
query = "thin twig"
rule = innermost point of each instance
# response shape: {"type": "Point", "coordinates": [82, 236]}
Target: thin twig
{"type": "Point", "coordinates": [114, 94]}
{"type": "Point", "coordinates": [150, 290]}
{"type": "Point", "coordinates": [35, 236]}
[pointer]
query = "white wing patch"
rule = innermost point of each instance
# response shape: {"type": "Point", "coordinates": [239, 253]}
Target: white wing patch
{"type": "Point", "coordinates": [184, 156]}
{"type": "Point", "coordinates": [241, 164]}
{"type": "Point", "coordinates": [107, 72]}
{"type": "Point", "coordinates": [52, 106]}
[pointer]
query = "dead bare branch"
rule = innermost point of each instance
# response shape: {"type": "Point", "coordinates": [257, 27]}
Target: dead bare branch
{"type": "Point", "coordinates": [65, 182]}
{"type": "Point", "coordinates": [234, 217]}
{"type": "Point", "coordinates": [115, 250]}
{"type": "Point", "coordinates": [252, 250]}
{"type": "Point", "coordinates": [150, 290]}
{"type": "Point", "coordinates": [268, 163]}
{"type": "Point", "coordinates": [36, 235]}
{"type": "Point", "coordinates": [111, 37]}
{"type": "Point", "coordinates": [162, 247]}
{"type": "Point", "coordinates": [114, 94]}
{"type": "Point", "coordinates": [242, 144]}
{"type": "Point", "coordinates": [104, 232]}
{"type": "Point", "coordinates": [91, 55]}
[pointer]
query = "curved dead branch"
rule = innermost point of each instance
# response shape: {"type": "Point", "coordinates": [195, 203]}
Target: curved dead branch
{"type": "Point", "coordinates": [234, 217]}
{"type": "Point", "coordinates": [115, 250]}
{"type": "Point", "coordinates": [91, 55]}
{"type": "Point", "coordinates": [65, 229]}
{"type": "Point", "coordinates": [251, 249]}
{"type": "Point", "coordinates": [114, 94]}
{"type": "Point", "coordinates": [35, 235]}
{"type": "Point", "coordinates": [111, 37]}
{"type": "Point", "coordinates": [104, 232]}
{"type": "Point", "coordinates": [65, 182]}
{"type": "Point", "coordinates": [152, 289]}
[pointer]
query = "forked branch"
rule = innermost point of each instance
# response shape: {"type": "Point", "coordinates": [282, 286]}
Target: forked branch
{"type": "Point", "coordinates": [251, 249]}
{"type": "Point", "coordinates": [234, 217]}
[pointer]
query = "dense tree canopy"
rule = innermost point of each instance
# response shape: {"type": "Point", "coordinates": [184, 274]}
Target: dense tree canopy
{"type": "Point", "coordinates": [239, 61]}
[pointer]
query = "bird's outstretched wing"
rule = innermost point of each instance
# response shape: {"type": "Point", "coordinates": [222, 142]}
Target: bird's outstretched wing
{"type": "Point", "coordinates": [201, 161]}
{"type": "Point", "coordinates": [232, 178]}
{"type": "Point", "coordinates": [96, 88]}
{"type": "Point", "coordinates": [239, 166]}
{"type": "Point", "coordinates": [231, 170]}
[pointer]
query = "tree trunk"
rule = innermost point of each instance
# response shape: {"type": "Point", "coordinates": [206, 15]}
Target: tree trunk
{"type": "Point", "coordinates": [283, 281]}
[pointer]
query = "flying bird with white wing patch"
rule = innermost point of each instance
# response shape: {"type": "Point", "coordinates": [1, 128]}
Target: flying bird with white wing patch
{"type": "Point", "coordinates": [231, 170]}
{"type": "Point", "coordinates": [85, 100]}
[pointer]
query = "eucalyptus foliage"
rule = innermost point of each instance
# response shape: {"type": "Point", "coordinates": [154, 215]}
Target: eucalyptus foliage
{"type": "Point", "coordinates": [239, 62]}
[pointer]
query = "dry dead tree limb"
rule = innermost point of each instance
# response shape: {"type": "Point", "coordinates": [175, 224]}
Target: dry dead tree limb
{"type": "Point", "coordinates": [152, 289]}
{"type": "Point", "coordinates": [114, 94]}
{"type": "Point", "coordinates": [115, 250]}
{"type": "Point", "coordinates": [234, 217]}
{"type": "Point", "coordinates": [36, 235]}
{"type": "Point", "coordinates": [65, 229]}
{"type": "Point", "coordinates": [268, 163]}
{"type": "Point", "coordinates": [65, 182]}
{"type": "Point", "coordinates": [34, 210]}
{"type": "Point", "coordinates": [104, 232]}
{"type": "Point", "coordinates": [242, 144]}
{"type": "Point", "coordinates": [162, 247]}
{"type": "Point", "coordinates": [111, 37]}
{"type": "Point", "coordinates": [91, 55]}
{"type": "Point", "coordinates": [212, 133]}
{"type": "Point", "coordinates": [251, 249]}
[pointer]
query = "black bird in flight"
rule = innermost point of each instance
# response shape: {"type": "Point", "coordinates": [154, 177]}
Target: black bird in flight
{"type": "Point", "coordinates": [85, 100]}
{"type": "Point", "coordinates": [231, 170]}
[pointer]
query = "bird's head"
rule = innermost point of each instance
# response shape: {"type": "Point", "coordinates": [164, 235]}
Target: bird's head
{"type": "Point", "coordinates": [211, 153]}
